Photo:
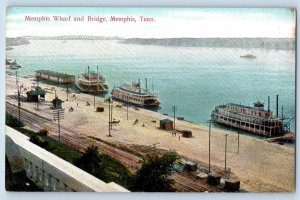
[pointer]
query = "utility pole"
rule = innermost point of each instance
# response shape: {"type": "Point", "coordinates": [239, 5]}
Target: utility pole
{"type": "Point", "coordinates": [109, 122]}
{"type": "Point", "coordinates": [94, 100]}
{"type": "Point", "coordinates": [58, 114]}
{"type": "Point", "coordinates": [127, 107]}
{"type": "Point", "coordinates": [225, 148]}
{"type": "Point", "coordinates": [209, 132]}
{"type": "Point", "coordinates": [58, 125]}
{"type": "Point", "coordinates": [37, 92]}
{"type": "Point", "coordinates": [174, 110]}
{"type": "Point", "coordinates": [19, 106]}
{"type": "Point", "coordinates": [111, 113]}
{"type": "Point", "coordinates": [238, 142]}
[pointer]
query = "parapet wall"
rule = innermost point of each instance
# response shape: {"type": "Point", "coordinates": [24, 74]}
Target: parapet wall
{"type": "Point", "coordinates": [49, 171]}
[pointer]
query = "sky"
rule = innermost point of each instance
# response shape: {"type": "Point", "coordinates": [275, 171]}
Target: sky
{"type": "Point", "coordinates": [168, 22]}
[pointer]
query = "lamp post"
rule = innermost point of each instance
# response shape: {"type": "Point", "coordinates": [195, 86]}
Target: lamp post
{"type": "Point", "coordinates": [225, 148]}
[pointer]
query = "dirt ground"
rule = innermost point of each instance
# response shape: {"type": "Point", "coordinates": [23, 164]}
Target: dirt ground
{"type": "Point", "coordinates": [261, 166]}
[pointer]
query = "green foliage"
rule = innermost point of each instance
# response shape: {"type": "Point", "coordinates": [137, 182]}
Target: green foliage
{"type": "Point", "coordinates": [12, 121]}
{"type": "Point", "coordinates": [115, 171]}
{"type": "Point", "coordinates": [103, 167]}
{"type": "Point", "coordinates": [153, 175]}
{"type": "Point", "coordinates": [91, 162]}
{"type": "Point", "coordinates": [51, 145]}
{"type": "Point", "coordinates": [39, 140]}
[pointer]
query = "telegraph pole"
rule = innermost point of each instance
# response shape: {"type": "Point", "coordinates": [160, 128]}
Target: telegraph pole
{"type": "Point", "coordinates": [127, 107]}
{"type": "Point", "coordinates": [94, 100]}
{"type": "Point", "coordinates": [37, 92]}
{"type": "Point", "coordinates": [209, 133]}
{"type": "Point", "coordinates": [58, 115]}
{"type": "Point", "coordinates": [19, 106]}
{"type": "Point", "coordinates": [174, 108]}
{"type": "Point", "coordinates": [109, 122]}
{"type": "Point", "coordinates": [238, 142]}
{"type": "Point", "coordinates": [111, 113]}
{"type": "Point", "coordinates": [58, 126]}
{"type": "Point", "coordinates": [225, 148]}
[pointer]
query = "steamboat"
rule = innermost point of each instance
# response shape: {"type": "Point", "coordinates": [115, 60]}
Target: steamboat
{"type": "Point", "coordinates": [91, 82]}
{"type": "Point", "coordinates": [256, 120]}
{"type": "Point", "coordinates": [135, 95]}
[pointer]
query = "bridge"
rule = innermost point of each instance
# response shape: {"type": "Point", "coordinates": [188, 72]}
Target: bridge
{"type": "Point", "coordinates": [48, 171]}
{"type": "Point", "coordinates": [73, 37]}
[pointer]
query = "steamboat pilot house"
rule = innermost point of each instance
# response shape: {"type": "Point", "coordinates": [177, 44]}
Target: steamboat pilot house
{"type": "Point", "coordinates": [255, 119]}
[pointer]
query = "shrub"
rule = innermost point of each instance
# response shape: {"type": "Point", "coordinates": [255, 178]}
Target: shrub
{"type": "Point", "coordinates": [12, 121]}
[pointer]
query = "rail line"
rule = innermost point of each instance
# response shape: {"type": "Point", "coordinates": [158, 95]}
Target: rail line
{"type": "Point", "coordinates": [73, 139]}
{"type": "Point", "coordinates": [76, 141]}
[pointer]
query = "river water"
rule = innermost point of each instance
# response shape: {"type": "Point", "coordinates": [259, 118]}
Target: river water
{"type": "Point", "coordinates": [194, 79]}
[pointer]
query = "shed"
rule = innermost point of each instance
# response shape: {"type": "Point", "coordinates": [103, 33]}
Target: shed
{"type": "Point", "coordinates": [187, 133]}
{"type": "Point", "coordinates": [166, 124]}
{"type": "Point", "coordinates": [57, 103]}
{"type": "Point", "coordinates": [32, 95]}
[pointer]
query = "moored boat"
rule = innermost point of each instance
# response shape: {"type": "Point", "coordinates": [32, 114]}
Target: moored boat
{"type": "Point", "coordinates": [135, 95]}
{"type": "Point", "coordinates": [91, 82]}
{"type": "Point", "coordinates": [255, 119]}
{"type": "Point", "coordinates": [250, 56]}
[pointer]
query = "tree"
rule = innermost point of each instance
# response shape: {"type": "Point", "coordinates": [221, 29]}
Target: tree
{"type": "Point", "coordinates": [39, 140]}
{"type": "Point", "coordinates": [12, 121]}
{"type": "Point", "coordinates": [153, 175]}
{"type": "Point", "coordinates": [91, 162]}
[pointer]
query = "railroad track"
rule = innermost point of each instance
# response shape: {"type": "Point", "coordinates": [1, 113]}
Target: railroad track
{"type": "Point", "coordinates": [69, 137]}
{"type": "Point", "coordinates": [194, 185]}
{"type": "Point", "coordinates": [73, 139]}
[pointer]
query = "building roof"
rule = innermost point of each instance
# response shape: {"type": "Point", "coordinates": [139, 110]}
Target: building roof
{"type": "Point", "coordinates": [165, 121]}
{"type": "Point", "coordinates": [56, 74]}
{"type": "Point", "coordinates": [35, 92]}
{"type": "Point", "coordinates": [57, 100]}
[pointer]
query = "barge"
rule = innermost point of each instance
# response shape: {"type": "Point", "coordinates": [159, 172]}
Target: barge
{"type": "Point", "coordinates": [56, 77]}
{"type": "Point", "coordinates": [256, 120]}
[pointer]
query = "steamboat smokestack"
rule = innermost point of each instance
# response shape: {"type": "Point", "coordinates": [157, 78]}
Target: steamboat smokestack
{"type": "Point", "coordinates": [146, 83]}
{"type": "Point", "coordinates": [139, 86]}
{"type": "Point", "coordinates": [277, 105]}
{"type": "Point", "coordinates": [268, 103]}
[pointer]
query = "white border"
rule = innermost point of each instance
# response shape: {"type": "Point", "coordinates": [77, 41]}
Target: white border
{"type": "Point", "coordinates": [142, 3]}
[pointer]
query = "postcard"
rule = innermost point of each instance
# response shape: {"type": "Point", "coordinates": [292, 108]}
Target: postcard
{"type": "Point", "coordinates": [133, 99]}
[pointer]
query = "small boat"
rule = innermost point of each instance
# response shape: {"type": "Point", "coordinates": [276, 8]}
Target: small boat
{"type": "Point", "coordinates": [9, 48]}
{"type": "Point", "coordinates": [135, 95]}
{"type": "Point", "coordinates": [91, 82]}
{"type": "Point", "coordinates": [13, 65]}
{"type": "Point", "coordinates": [250, 56]}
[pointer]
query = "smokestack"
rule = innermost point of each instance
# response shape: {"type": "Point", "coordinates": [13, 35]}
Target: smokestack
{"type": "Point", "coordinates": [146, 83]}
{"type": "Point", "coordinates": [277, 105]}
{"type": "Point", "coordinates": [268, 103]}
{"type": "Point", "coordinates": [139, 86]}
{"type": "Point", "coordinates": [89, 72]}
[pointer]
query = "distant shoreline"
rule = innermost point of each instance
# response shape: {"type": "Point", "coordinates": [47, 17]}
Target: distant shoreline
{"type": "Point", "coordinates": [267, 43]}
